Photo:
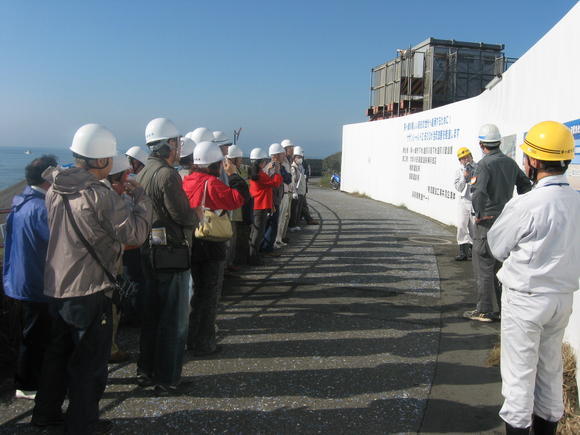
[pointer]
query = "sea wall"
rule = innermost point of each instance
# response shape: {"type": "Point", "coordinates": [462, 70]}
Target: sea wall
{"type": "Point", "coordinates": [411, 160]}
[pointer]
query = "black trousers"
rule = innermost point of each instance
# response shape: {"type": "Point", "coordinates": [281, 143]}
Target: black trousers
{"type": "Point", "coordinates": [75, 363]}
{"type": "Point", "coordinates": [257, 232]}
{"type": "Point", "coordinates": [132, 310]}
{"type": "Point", "coordinates": [205, 274]}
{"type": "Point", "coordinates": [296, 211]}
{"type": "Point", "coordinates": [305, 213]}
{"type": "Point", "coordinates": [36, 324]}
{"type": "Point", "coordinates": [242, 244]}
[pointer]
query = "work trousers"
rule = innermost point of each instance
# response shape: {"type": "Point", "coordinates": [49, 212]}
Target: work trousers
{"type": "Point", "coordinates": [305, 214]}
{"type": "Point", "coordinates": [241, 245]}
{"type": "Point", "coordinates": [485, 268]}
{"type": "Point", "coordinates": [202, 335]}
{"type": "Point", "coordinates": [75, 364]}
{"type": "Point", "coordinates": [36, 324]}
{"type": "Point", "coordinates": [532, 328]}
{"type": "Point", "coordinates": [116, 319]}
{"type": "Point", "coordinates": [164, 330]}
{"type": "Point", "coordinates": [284, 218]}
{"type": "Point", "coordinates": [257, 232]}
{"type": "Point", "coordinates": [132, 310]}
{"type": "Point", "coordinates": [270, 232]}
{"type": "Point", "coordinates": [465, 222]}
{"type": "Point", "coordinates": [233, 245]}
{"type": "Point", "coordinates": [297, 205]}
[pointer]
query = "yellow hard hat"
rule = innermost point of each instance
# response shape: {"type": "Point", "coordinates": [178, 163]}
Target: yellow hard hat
{"type": "Point", "coordinates": [549, 141]}
{"type": "Point", "coordinates": [463, 152]}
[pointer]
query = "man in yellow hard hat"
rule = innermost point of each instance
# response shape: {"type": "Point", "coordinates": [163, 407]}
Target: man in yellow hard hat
{"type": "Point", "coordinates": [538, 239]}
{"type": "Point", "coordinates": [463, 177]}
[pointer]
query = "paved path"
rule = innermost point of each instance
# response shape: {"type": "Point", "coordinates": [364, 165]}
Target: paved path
{"type": "Point", "coordinates": [356, 328]}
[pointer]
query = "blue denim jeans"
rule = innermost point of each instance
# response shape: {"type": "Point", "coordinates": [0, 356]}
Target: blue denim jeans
{"type": "Point", "coordinates": [164, 330]}
{"type": "Point", "coordinates": [270, 233]}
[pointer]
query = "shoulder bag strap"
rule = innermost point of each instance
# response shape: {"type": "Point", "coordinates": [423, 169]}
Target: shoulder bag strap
{"type": "Point", "coordinates": [166, 213]}
{"type": "Point", "coordinates": [204, 194]}
{"type": "Point", "coordinates": [84, 241]}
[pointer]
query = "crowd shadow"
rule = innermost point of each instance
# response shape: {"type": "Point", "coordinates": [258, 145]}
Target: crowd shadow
{"type": "Point", "coordinates": [347, 420]}
{"type": "Point", "coordinates": [358, 313]}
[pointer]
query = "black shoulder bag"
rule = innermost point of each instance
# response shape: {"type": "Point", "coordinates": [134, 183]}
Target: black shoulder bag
{"type": "Point", "coordinates": [123, 288]}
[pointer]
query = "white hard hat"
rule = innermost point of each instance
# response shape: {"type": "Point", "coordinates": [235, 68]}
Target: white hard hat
{"type": "Point", "coordinates": [286, 143]}
{"type": "Point", "coordinates": [220, 138]}
{"type": "Point", "coordinates": [298, 151]}
{"type": "Point", "coordinates": [94, 141]}
{"type": "Point", "coordinates": [275, 148]}
{"type": "Point", "coordinates": [160, 129]}
{"type": "Point", "coordinates": [187, 146]}
{"type": "Point", "coordinates": [234, 152]}
{"type": "Point", "coordinates": [489, 133]}
{"type": "Point", "coordinates": [120, 164]}
{"type": "Point", "coordinates": [258, 154]}
{"type": "Point", "coordinates": [206, 153]}
{"type": "Point", "coordinates": [137, 153]}
{"type": "Point", "coordinates": [201, 134]}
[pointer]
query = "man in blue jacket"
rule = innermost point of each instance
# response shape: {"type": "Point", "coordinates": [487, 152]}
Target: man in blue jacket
{"type": "Point", "coordinates": [24, 258]}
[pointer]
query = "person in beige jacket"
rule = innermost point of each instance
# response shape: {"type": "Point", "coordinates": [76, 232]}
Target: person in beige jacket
{"type": "Point", "coordinates": [76, 358]}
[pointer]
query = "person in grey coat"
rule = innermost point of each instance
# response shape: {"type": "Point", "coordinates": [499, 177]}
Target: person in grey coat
{"type": "Point", "coordinates": [89, 223]}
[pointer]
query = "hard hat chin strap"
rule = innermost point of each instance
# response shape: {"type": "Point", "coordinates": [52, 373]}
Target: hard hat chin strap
{"type": "Point", "coordinates": [532, 172]}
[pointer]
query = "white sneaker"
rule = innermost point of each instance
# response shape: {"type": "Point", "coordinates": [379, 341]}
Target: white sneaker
{"type": "Point", "coordinates": [25, 394]}
{"type": "Point", "coordinates": [294, 229]}
{"type": "Point", "coordinates": [280, 243]}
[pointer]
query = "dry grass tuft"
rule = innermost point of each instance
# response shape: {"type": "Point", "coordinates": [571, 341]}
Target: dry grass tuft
{"type": "Point", "coordinates": [570, 423]}
{"type": "Point", "coordinates": [494, 355]}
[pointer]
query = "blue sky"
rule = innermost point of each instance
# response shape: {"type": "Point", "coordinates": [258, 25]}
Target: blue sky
{"type": "Point", "coordinates": [291, 69]}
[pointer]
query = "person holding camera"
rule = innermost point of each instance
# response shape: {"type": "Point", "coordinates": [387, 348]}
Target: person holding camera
{"type": "Point", "coordinates": [465, 222]}
{"type": "Point", "coordinates": [261, 189]}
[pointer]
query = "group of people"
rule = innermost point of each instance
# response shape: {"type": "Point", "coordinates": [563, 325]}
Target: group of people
{"type": "Point", "coordinates": [151, 232]}
{"type": "Point", "coordinates": [175, 217]}
{"type": "Point", "coordinates": [526, 261]}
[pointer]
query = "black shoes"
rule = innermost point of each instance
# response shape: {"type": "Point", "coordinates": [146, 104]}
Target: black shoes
{"type": "Point", "coordinates": [463, 251]}
{"type": "Point", "coordinates": [207, 352]}
{"type": "Point", "coordinates": [144, 380]}
{"type": "Point", "coordinates": [543, 427]}
{"type": "Point", "coordinates": [510, 430]}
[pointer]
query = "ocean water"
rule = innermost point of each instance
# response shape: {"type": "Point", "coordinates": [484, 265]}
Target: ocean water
{"type": "Point", "coordinates": [13, 160]}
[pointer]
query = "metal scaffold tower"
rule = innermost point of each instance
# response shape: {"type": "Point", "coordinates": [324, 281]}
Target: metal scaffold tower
{"type": "Point", "coordinates": [431, 74]}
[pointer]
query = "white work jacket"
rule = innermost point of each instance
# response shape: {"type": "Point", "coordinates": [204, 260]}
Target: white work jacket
{"type": "Point", "coordinates": [298, 178]}
{"type": "Point", "coordinates": [537, 236]}
{"type": "Point", "coordinates": [462, 186]}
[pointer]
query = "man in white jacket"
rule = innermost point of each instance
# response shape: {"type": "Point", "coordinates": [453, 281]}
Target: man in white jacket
{"type": "Point", "coordinates": [538, 239]}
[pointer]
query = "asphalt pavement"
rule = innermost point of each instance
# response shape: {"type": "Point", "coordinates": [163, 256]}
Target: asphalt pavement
{"type": "Point", "coordinates": [356, 328]}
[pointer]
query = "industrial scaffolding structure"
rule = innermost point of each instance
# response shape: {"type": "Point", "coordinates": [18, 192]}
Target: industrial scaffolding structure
{"type": "Point", "coordinates": [433, 73]}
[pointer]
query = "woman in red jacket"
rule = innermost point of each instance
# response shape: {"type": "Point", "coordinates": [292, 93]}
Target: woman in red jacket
{"type": "Point", "coordinates": [207, 257]}
{"type": "Point", "coordinates": [261, 185]}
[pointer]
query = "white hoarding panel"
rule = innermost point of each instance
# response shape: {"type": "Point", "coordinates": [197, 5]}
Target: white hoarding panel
{"type": "Point", "coordinates": [411, 160]}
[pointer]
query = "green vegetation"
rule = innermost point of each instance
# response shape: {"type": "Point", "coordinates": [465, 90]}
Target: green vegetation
{"type": "Point", "coordinates": [332, 163]}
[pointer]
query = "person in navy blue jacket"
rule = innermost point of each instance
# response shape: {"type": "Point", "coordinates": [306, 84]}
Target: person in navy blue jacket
{"type": "Point", "coordinates": [23, 277]}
